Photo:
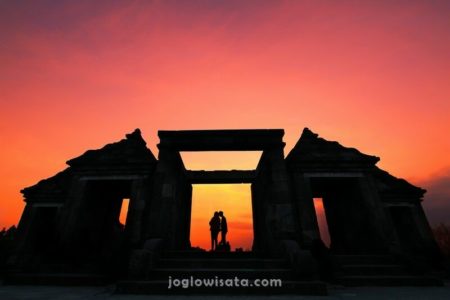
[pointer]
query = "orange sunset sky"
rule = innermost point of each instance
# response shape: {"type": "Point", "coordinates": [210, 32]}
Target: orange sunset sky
{"type": "Point", "coordinates": [75, 75]}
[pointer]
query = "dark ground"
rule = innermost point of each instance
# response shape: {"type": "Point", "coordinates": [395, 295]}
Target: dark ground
{"type": "Point", "coordinates": [12, 292]}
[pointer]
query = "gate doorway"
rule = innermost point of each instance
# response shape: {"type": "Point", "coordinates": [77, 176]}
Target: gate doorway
{"type": "Point", "coordinates": [347, 216]}
{"type": "Point", "coordinates": [235, 202]}
{"type": "Point", "coordinates": [101, 232]}
{"type": "Point", "coordinates": [271, 202]}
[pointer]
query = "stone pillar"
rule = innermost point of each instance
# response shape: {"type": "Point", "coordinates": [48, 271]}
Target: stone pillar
{"type": "Point", "coordinates": [167, 212]}
{"type": "Point", "coordinates": [187, 207]}
{"type": "Point", "coordinates": [24, 247]}
{"type": "Point", "coordinates": [430, 249]}
{"type": "Point", "coordinates": [262, 236]}
{"type": "Point", "coordinates": [306, 211]}
{"type": "Point", "coordinates": [72, 213]}
{"type": "Point", "coordinates": [278, 208]}
{"type": "Point", "coordinates": [341, 222]}
{"type": "Point", "coordinates": [139, 199]}
{"type": "Point", "coordinates": [383, 233]}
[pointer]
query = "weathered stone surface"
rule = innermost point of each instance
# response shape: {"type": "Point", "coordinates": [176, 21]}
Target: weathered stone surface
{"type": "Point", "coordinates": [388, 184]}
{"type": "Point", "coordinates": [214, 177]}
{"type": "Point", "coordinates": [318, 154]}
{"type": "Point", "coordinates": [51, 189]}
{"type": "Point", "coordinates": [220, 140]}
{"type": "Point", "coordinates": [75, 213]}
{"type": "Point", "coordinates": [138, 263]}
{"type": "Point", "coordinates": [130, 150]}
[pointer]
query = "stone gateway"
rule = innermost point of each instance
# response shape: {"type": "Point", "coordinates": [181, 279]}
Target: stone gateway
{"type": "Point", "coordinates": [70, 232]}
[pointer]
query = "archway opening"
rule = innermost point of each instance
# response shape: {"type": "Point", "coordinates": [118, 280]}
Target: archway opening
{"type": "Point", "coordinates": [347, 215]}
{"type": "Point", "coordinates": [235, 202]}
{"type": "Point", "coordinates": [322, 221]}
{"type": "Point", "coordinates": [124, 211]}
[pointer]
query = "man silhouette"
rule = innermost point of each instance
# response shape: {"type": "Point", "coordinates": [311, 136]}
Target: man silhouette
{"type": "Point", "coordinates": [223, 228]}
{"type": "Point", "coordinates": [214, 227]}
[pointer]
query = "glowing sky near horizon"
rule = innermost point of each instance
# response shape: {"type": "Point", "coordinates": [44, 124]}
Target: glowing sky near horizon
{"type": "Point", "coordinates": [75, 75]}
{"type": "Point", "coordinates": [234, 200]}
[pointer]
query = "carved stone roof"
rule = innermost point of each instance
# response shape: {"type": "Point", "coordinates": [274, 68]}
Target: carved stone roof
{"type": "Point", "coordinates": [312, 149]}
{"type": "Point", "coordinates": [131, 150]}
{"type": "Point", "coordinates": [123, 157]}
{"type": "Point", "coordinates": [389, 184]}
{"type": "Point", "coordinates": [50, 189]}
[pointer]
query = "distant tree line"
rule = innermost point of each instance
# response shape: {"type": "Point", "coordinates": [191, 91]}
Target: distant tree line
{"type": "Point", "coordinates": [6, 244]}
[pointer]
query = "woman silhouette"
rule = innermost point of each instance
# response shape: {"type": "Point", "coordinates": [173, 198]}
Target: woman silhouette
{"type": "Point", "coordinates": [223, 228]}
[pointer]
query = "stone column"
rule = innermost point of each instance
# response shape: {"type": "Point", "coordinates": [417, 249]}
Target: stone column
{"type": "Point", "coordinates": [279, 210]}
{"type": "Point", "coordinates": [307, 218]}
{"type": "Point", "coordinates": [72, 213]}
{"type": "Point", "coordinates": [166, 213]}
{"type": "Point", "coordinates": [187, 207]}
{"type": "Point", "coordinates": [430, 248]}
{"type": "Point", "coordinates": [24, 246]}
{"type": "Point", "coordinates": [383, 234]}
{"type": "Point", "coordinates": [262, 235]}
{"type": "Point", "coordinates": [138, 200]}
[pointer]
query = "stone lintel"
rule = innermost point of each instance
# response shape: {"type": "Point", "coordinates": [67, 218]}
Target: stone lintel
{"type": "Point", "coordinates": [114, 177]}
{"type": "Point", "coordinates": [221, 140]}
{"type": "Point", "coordinates": [333, 174]}
{"type": "Point", "coordinates": [399, 204]}
{"type": "Point", "coordinates": [227, 176]}
{"type": "Point", "coordinates": [48, 204]}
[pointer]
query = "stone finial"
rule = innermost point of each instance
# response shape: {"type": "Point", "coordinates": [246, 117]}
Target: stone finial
{"type": "Point", "coordinates": [135, 134]}
{"type": "Point", "coordinates": [307, 133]}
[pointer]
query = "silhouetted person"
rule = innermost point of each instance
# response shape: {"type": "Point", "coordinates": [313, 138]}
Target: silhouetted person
{"type": "Point", "coordinates": [223, 228]}
{"type": "Point", "coordinates": [214, 227]}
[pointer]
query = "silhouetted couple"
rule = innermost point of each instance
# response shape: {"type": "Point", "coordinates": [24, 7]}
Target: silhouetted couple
{"type": "Point", "coordinates": [218, 224]}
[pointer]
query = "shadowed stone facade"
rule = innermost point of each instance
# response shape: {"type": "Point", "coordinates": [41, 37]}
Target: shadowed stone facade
{"type": "Point", "coordinates": [71, 221]}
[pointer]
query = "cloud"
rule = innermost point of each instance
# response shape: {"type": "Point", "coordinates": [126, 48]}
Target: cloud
{"type": "Point", "coordinates": [437, 199]}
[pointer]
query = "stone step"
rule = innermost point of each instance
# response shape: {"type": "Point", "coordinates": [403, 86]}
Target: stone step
{"type": "Point", "coordinates": [161, 287]}
{"type": "Point", "coordinates": [389, 281]}
{"type": "Point", "coordinates": [392, 269]}
{"type": "Point", "coordinates": [364, 259]}
{"type": "Point", "coordinates": [164, 273]}
{"type": "Point", "coordinates": [256, 263]}
{"type": "Point", "coordinates": [66, 268]}
{"type": "Point", "coordinates": [201, 254]}
{"type": "Point", "coordinates": [71, 279]}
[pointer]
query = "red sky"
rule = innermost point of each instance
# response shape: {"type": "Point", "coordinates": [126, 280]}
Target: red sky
{"type": "Point", "coordinates": [75, 75]}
